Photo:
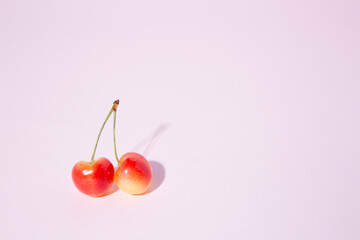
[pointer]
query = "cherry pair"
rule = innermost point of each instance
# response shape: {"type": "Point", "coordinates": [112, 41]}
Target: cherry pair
{"type": "Point", "coordinates": [94, 178]}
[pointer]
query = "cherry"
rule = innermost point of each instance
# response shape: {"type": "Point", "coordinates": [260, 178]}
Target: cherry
{"type": "Point", "coordinates": [134, 173]}
{"type": "Point", "coordinates": [94, 178]}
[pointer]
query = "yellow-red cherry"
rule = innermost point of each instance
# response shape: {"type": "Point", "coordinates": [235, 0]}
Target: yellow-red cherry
{"type": "Point", "coordinates": [134, 174]}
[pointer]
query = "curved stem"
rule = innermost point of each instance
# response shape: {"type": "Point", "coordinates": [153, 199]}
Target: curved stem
{"type": "Point", "coordinates": [116, 156]}
{"type": "Point", "coordinates": [113, 109]}
{"type": "Point", "coordinates": [102, 127]}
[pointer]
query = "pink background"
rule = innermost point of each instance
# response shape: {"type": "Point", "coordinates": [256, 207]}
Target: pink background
{"type": "Point", "coordinates": [255, 106]}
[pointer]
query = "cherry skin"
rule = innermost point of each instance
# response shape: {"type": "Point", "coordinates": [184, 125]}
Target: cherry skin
{"type": "Point", "coordinates": [93, 179]}
{"type": "Point", "coordinates": [134, 174]}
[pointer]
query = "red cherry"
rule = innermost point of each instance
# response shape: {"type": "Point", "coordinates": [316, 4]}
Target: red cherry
{"type": "Point", "coordinates": [134, 174]}
{"type": "Point", "coordinates": [93, 179]}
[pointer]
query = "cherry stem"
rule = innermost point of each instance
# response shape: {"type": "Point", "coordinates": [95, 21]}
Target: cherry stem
{"type": "Point", "coordinates": [115, 104]}
{"type": "Point", "coordinates": [116, 156]}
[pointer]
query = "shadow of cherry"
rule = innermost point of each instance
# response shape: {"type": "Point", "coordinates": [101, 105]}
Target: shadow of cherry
{"type": "Point", "coordinates": [114, 188]}
{"type": "Point", "coordinates": [148, 143]}
{"type": "Point", "coordinates": [158, 176]}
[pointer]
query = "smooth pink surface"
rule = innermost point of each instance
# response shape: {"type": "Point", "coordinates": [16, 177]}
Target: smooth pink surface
{"type": "Point", "coordinates": [259, 104]}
